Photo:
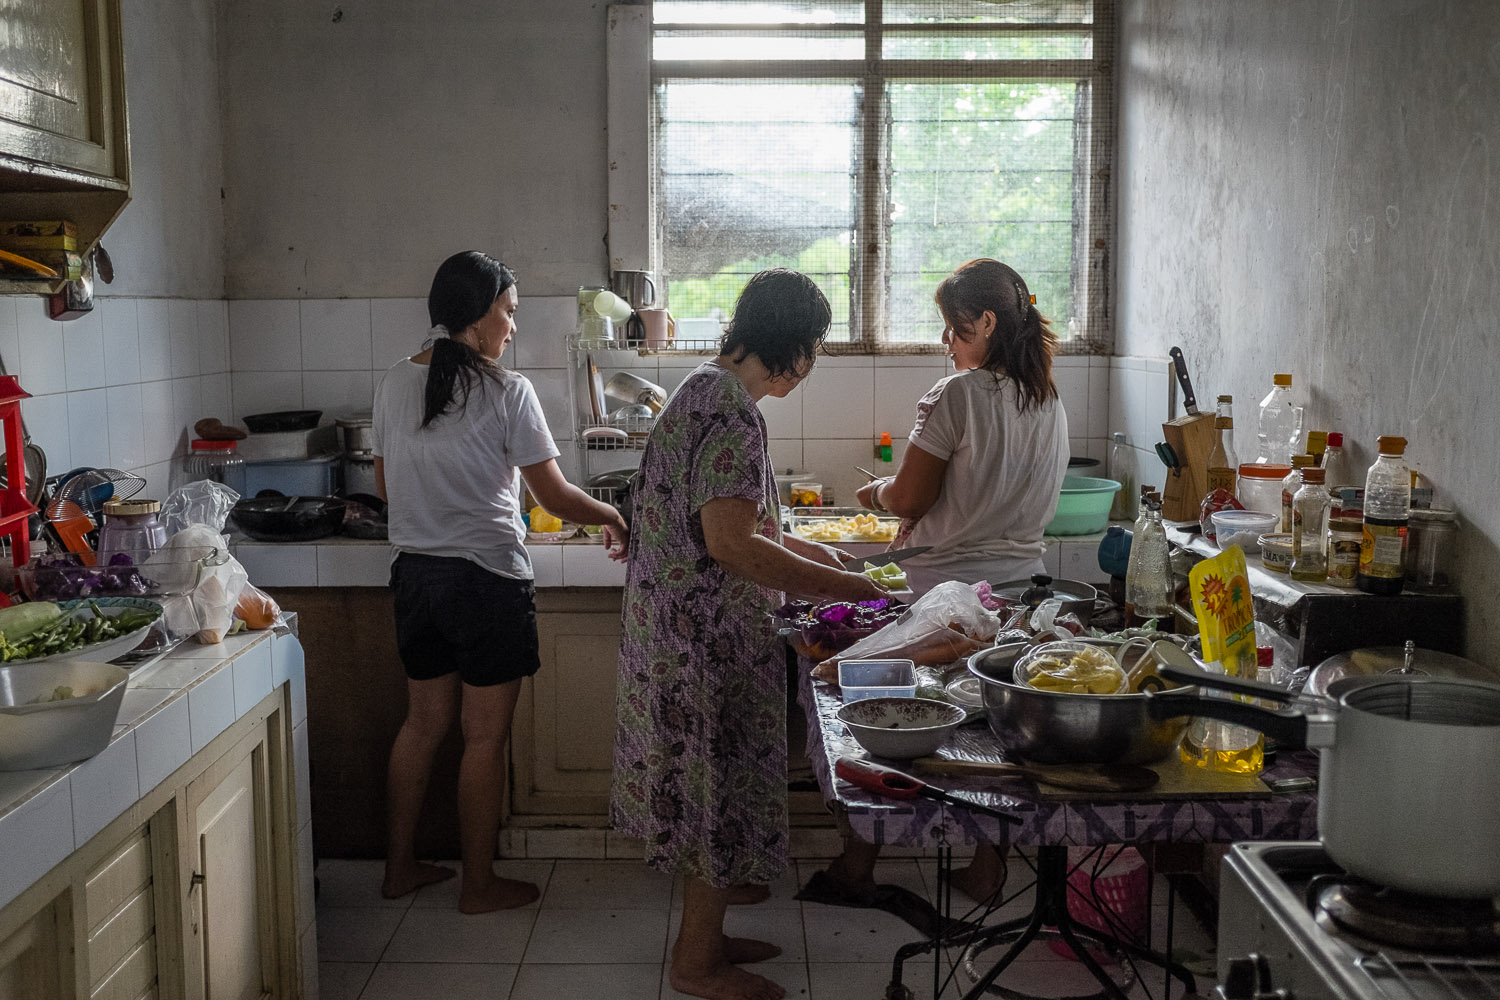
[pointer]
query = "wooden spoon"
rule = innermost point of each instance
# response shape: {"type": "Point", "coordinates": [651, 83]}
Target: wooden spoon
{"type": "Point", "coordinates": [1077, 777]}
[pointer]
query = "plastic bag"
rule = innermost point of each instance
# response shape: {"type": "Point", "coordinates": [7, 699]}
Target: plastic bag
{"type": "Point", "coordinates": [216, 596]}
{"type": "Point", "coordinates": [200, 502]}
{"type": "Point", "coordinates": [945, 624]}
{"type": "Point", "coordinates": [257, 609]}
{"type": "Point", "coordinates": [1073, 667]}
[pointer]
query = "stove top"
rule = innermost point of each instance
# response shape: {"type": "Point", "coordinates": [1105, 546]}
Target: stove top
{"type": "Point", "coordinates": [1291, 921]}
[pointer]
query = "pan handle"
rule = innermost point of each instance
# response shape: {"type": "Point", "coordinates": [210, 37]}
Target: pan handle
{"type": "Point", "coordinates": [1224, 682]}
{"type": "Point", "coordinates": [1287, 727]}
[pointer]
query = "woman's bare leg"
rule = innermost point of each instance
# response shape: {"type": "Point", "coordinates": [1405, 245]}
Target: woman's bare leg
{"type": "Point", "coordinates": [701, 966]}
{"type": "Point", "coordinates": [984, 878]}
{"type": "Point", "coordinates": [432, 707]}
{"type": "Point", "coordinates": [487, 713]}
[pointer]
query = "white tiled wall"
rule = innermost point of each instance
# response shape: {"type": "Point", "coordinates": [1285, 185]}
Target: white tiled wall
{"type": "Point", "coordinates": [121, 386]}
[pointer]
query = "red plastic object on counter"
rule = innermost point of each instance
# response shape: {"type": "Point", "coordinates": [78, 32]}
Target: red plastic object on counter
{"type": "Point", "coordinates": [14, 508]}
{"type": "Point", "coordinates": [1219, 499]}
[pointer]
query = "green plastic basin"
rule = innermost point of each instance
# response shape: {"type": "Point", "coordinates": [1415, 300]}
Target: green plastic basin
{"type": "Point", "coordinates": [1083, 506]}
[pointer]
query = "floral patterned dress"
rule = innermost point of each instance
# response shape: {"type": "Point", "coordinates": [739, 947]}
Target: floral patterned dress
{"type": "Point", "coordinates": [700, 747]}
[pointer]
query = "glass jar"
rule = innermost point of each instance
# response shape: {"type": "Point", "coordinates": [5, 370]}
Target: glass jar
{"type": "Point", "coordinates": [216, 460]}
{"type": "Point", "coordinates": [1430, 538]}
{"type": "Point", "coordinates": [1345, 536]}
{"type": "Point", "coordinates": [131, 528]}
{"type": "Point", "coordinates": [1260, 487]}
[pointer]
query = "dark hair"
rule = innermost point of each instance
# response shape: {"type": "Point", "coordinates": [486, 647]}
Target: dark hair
{"type": "Point", "coordinates": [780, 317]}
{"type": "Point", "coordinates": [464, 289]}
{"type": "Point", "coordinates": [1023, 343]}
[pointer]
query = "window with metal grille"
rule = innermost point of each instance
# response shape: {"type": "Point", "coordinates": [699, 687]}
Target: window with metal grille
{"type": "Point", "coordinates": [878, 144]}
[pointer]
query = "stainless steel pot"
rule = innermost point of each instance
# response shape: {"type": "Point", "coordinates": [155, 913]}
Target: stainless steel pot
{"type": "Point", "coordinates": [1050, 727]}
{"type": "Point", "coordinates": [1394, 805]}
{"type": "Point", "coordinates": [358, 437]}
{"type": "Point", "coordinates": [1077, 597]}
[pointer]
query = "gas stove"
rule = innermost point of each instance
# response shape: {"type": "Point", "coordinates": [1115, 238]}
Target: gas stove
{"type": "Point", "coordinates": [1292, 926]}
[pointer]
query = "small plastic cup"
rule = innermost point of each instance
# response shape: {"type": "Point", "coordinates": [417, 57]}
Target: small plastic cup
{"type": "Point", "coordinates": [807, 494]}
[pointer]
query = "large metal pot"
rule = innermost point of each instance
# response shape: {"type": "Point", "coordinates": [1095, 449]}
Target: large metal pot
{"type": "Point", "coordinates": [1051, 727]}
{"type": "Point", "coordinates": [1394, 805]}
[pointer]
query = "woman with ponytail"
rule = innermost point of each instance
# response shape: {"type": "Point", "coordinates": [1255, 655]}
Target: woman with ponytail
{"type": "Point", "coordinates": [455, 434]}
{"type": "Point", "coordinates": [979, 482]}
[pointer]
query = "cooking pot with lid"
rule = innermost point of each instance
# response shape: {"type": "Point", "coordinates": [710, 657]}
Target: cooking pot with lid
{"type": "Point", "coordinates": [1077, 597]}
{"type": "Point", "coordinates": [1394, 751]}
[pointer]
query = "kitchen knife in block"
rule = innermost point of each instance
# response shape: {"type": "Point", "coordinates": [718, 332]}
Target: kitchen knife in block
{"type": "Point", "coordinates": [1192, 438]}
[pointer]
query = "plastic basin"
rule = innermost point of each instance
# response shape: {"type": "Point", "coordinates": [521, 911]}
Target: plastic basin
{"type": "Point", "coordinates": [1083, 506]}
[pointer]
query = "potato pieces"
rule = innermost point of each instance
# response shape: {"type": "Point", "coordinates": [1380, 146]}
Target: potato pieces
{"type": "Point", "coordinates": [1073, 668]}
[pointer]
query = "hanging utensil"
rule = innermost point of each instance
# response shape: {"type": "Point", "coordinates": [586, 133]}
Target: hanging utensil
{"type": "Point", "coordinates": [894, 784]}
{"type": "Point", "coordinates": [1189, 401]}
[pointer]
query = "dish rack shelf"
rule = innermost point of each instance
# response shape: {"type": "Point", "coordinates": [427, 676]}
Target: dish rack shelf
{"type": "Point", "coordinates": [675, 347]}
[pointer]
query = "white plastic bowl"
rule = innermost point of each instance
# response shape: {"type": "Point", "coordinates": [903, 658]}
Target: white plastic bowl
{"type": "Point", "coordinates": [1242, 528]}
{"type": "Point", "coordinates": [901, 728]}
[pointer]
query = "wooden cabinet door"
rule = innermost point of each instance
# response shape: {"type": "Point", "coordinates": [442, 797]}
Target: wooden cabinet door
{"type": "Point", "coordinates": [61, 88]}
{"type": "Point", "coordinates": [230, 903]}
{"type": "Point", "coordinates": [565, 725]}
{"type": "Point", "coordinates": [32, 964]}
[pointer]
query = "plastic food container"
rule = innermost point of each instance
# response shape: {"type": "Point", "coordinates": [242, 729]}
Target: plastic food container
{"type": "Point", "coordinates": [860, 679]}
{"type": "Point", "coordinates": [36, 732]}
{"type": "Point", "coordinates": [842, 524]}
{"type": "Point", "coordinates": [1083, 506]}
{"type": "Point", "coordinates": [1260, 488]}
{"type": "Point", "coordinates": [1070, 667]}
{"type": "Point", "coordinates": [1242, 527]}
{"type": "Point", "coordinates": [1276, 552]}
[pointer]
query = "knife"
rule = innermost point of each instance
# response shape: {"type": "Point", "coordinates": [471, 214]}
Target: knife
{"type": "Point", "coordinates": [894, 556]}
{"type": "Point", "coordinates": [1189, 401]}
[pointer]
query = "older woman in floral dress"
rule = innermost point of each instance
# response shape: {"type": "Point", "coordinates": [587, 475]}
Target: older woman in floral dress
{"type": "Point", "coordinates": [700, 751]}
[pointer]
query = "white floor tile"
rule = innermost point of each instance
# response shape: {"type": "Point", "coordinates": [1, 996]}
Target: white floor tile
{"type": "Point", "coordinates": [438, 981]}
{"type": "Point", "coordinates": [844, 980]}
{"type": "Point", "coordinates": [433, 935]}
{"type": "Point", "coordinates": [342, 980]}
{"type": "Point", "coordinates": [617, 982]}
{"type": "Point", "coordinates": [574, 937]}
{"type": "Point", "coordinates": [344, 883]}
{"type": "Point", "coordinates": [355, 934]}
{"type": "Point", "coordinates": [841, 934]}
{"type": "Point", "coordinates": [607, 885]}
{"type": "Point", "coordinates": [792, 978]}
{"type": "Point", "coordinates": [444, 895]}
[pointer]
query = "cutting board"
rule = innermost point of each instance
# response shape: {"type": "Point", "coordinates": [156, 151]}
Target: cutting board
{"type": "Point", "coordinates": [1192, 438]}
{"type": "Point", "coordinates": [1179, 780]}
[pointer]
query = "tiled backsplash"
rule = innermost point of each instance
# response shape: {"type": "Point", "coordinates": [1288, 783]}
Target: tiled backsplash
{"type": "Point", "coordinates": [123, 385]}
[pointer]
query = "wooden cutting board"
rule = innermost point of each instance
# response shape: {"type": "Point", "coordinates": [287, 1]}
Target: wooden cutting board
{"type": "Point", "coordinates": [1179, 780]}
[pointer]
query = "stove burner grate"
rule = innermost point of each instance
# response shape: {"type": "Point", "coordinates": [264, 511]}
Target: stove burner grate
{"type": "Point", "coordinates": [1427, 977]}
{"type": "Point", "coordinates": [1422, 923]}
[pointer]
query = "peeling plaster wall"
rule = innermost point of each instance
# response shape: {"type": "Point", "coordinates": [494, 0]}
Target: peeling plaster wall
{"type": "Point", "coordinates": [1314, 187]}
{"type": "Point", "coordinates": [367, 140]}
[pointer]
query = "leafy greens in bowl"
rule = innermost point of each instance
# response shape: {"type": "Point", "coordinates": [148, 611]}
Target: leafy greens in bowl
{"type": "Point", "coordinates": [97, 629]}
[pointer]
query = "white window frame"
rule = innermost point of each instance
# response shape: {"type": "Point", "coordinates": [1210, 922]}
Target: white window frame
{"type": "Point", "coordinates": [634, 242]}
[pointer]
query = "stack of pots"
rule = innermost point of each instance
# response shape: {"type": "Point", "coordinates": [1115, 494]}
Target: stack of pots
{"type": "Point", "coordinates": [358, 445]}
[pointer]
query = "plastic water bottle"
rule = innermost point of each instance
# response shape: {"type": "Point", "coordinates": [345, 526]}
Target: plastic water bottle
{"type": "Point", "coordinates": [1280, 428]}
{"type": "Point", "coordinates": [1382, 557]}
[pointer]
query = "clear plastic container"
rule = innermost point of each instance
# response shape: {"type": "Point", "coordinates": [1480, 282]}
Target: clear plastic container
{"type": "Point", "coordinates": [215, 460]}
{"type": "Point", "coordinates": [1260, 487]}
{"type": "Point", "coordinates": [130, 526]}
{"type": "Point", "coordinates": [877, 679]}
{"type": "Point", "coordinates": [1071, 667]}
{"type": "Point", "coordinates": [1280, 425]}
{"type": "Point", "coordinates": [1429, 550]}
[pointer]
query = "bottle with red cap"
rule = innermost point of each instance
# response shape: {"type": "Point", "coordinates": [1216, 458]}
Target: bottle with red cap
{"type": "Point", "coordinates": [1336, 472]}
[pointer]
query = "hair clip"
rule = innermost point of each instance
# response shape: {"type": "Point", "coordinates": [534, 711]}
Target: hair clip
{"type": "Point", "coordinates": [1033, 300]}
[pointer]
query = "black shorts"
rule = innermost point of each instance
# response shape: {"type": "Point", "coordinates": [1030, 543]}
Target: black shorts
{"type": "Point", "coordinates": [452, 614]}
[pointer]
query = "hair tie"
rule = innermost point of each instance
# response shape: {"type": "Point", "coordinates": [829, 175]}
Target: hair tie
{"type": "Point", "coordinates": [439, 330]}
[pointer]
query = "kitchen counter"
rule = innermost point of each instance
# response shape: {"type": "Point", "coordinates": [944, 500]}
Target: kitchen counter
{"type": "Point", "coordinates": [174, 706]}
{"type": "Point", "coordinates": [349, 562]}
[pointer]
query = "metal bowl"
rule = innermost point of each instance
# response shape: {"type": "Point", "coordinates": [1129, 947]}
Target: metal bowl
{"type": "Point", "coordinates": [1049, 727]}
{"type": "Point", "coordinates": [37, 732]}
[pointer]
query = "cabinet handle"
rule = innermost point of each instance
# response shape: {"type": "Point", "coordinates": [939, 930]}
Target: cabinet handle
{"type": "Point", "coordinates": [197, 880]}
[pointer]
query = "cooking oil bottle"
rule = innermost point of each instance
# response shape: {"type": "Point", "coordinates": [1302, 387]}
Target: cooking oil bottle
{"type": "Point", "coordinates": [1226, 625]}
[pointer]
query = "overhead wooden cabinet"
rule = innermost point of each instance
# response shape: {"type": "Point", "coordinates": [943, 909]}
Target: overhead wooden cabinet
{"type": "Point", "coordinates": [64, 145]}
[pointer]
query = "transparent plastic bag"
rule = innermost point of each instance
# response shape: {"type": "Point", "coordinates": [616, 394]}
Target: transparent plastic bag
{"type": "Point", "coordinates": [945, 624]}
{"type": "Point", "coordinates": [202, 501]}
{"type": "Point", "coordinates": [257, 609]}
{"type": "Point", "coordinates": [1072, 667]}
{"type": "Point", "coordinates": [216, 596]}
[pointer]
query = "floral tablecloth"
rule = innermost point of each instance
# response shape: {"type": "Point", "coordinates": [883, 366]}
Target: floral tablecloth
{"type": "Point", "coordinates": [923, 822]}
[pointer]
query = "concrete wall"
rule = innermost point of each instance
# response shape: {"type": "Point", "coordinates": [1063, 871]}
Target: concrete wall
{"type": "Point", "coordinates": [1315, 188]}
{"type": "Point", "coordinates": [367, 141]}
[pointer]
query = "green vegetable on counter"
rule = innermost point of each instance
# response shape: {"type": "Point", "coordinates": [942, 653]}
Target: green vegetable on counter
{"type": "Point", "coordinates": [889, 575]}
{"type": "Point", "coordinates": [62, 632]}
{"type": "Point", "coordinates": [20, 620]}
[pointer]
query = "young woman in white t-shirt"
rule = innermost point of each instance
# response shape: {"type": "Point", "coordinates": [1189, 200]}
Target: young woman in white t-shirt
{"type": "Point", "coordinates": [981, 480]}
{"type": "Point", "coordinates": [455, 435]}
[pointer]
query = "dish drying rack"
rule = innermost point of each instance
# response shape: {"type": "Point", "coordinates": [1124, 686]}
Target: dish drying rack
{"type": "Point", "coordinates": [78, 501]}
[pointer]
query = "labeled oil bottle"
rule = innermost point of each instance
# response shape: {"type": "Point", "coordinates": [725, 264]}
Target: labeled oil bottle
{"type": "Point", "coordinates": [1382, 554]}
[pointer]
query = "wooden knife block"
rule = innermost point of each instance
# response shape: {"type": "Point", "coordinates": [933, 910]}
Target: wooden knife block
{"type": "Point", "coordinates": [1192, 438]}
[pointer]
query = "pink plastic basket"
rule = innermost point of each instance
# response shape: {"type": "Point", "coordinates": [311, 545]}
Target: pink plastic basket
{"type": "Point", "coordinates": [1114, 903]}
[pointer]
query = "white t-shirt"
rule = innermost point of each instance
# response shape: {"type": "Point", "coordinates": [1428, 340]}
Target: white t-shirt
{"type": "Point", "coordinates": [1000, 489]}
{"type": "Point", "coordinates": [454, 486]}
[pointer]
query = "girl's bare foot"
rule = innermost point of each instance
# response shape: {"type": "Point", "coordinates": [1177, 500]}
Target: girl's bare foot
{"type": "Point", "coordinates": [500, 894]}
{"type": "Point", "coordinates": [743, 951]}
{"type": "Point", "coordinates": [724, 982]}
{"type": "Point", "coordinates": [401, 880]}
{"type": "Point", "coordinates": [749, 894]}
{"type": "Point", "coordinates": [983, 879]}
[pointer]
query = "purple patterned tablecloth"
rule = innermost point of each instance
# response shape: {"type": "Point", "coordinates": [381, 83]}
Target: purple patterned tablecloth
{"type": "Point", "coordinates": [923, 822]}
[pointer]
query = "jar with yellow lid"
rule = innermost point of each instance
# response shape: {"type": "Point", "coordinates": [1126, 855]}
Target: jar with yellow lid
{"type": "Point", "coordinates": [131, 529]}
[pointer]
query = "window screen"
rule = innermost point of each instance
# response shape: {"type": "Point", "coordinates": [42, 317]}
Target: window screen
{"type": "Point", "coordinates": [878, 145]}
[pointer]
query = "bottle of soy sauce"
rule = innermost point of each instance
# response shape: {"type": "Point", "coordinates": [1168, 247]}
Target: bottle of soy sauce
{"type": "Point", "coordinates": [1382, 554]}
